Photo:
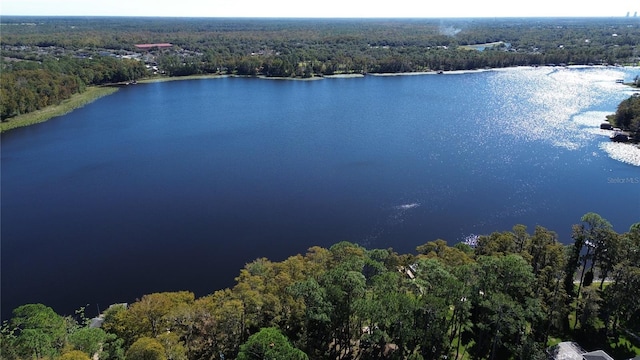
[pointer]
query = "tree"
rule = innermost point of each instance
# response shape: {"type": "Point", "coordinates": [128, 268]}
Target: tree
{"type": "Point", "coordinates": [112, 348]}
{"type": "Point", "coordinates": [621, 306]}
{"type": "Point", "coordinates": [496, 244]}
{"type": "Point", "coordinates": [75, 355]}
{"type": "Point", "coordinates": [460, 319]}
{"type": "Point", "coordinates": [217, 326]}
{"type": "Point", "coordinates": [573, 256]}
{"type": "Point", "coordinates": [344, 288]}
{"type": "Point", "coordinates": [316, 331]}
{"type": "Point", "coordinates": [146, 348]}
{"type": "Point", "coordinates": [450, 256]}
{"type": "Point", "coordinates": [589, 306]}
{"type": "Point", "coordinates": [173, 347]}
{"type": "Point", "coordinates": [40, 332]}
{"type": "Point", "coordinates": [8, 348]}
{"type": "Point", "coordinates": [627, 115]}
{"type": "Point", "coordinates": [521, 237]}
{"type": "Point", "coordinates": [597, 235]}
{"type": "Point", "coordinates": [439, 291]}
{"type": "Point", "coordinates": [269, 343]}
{"type": "Point", "coordinates": [387, 313]}
{"type": "Point", "coordinates": [504, 306]}
{"type": "Point", "coordinates": [149, 315]}
{"type": "Point", "coordinates": [88, 340]}
{"type": "Point", "coordinates": [609, 255]}
{"type": "Point", "coordinates": [543, 249]}
{"type": "Point", "coordinates": [116, 323]}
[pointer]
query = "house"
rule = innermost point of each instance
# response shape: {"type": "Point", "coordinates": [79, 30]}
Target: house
{"type": "Point", "coordinates": [148, 47]}
{"type": "Point", "coordinates": [97, 321]}
{"type": "Point", "coordinates": [566, 351]}
{"type": "Point", "coordinates": [406, 271]}
{"type": "Point", "coordinates": [569, 350]}
{"type": "Point", "coordinates": [596, 355]}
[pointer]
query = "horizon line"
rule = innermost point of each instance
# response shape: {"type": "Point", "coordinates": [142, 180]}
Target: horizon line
{"type": "Point", "coordinates": [626, 16]}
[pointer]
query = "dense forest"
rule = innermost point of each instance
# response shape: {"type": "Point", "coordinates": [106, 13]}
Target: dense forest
{"type": "Point", "coordinates": [44, 60]}
{"type": "Point", "coordinates": [507, 295]}
{"type": "Point", "coordinates": [28, 86]}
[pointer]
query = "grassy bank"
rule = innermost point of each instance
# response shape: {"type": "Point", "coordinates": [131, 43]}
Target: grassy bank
{"type": "Point", "coordinates": [42, 115]}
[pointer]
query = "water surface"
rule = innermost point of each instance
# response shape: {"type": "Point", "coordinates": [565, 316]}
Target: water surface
{"type": "Point", "coordinates": [176, 185]}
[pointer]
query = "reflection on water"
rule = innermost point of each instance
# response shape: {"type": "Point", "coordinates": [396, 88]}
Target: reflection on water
{"type": "Point", "coordinates": [561, 116]}
{"type": "Point", "coordinates": [176, 185]}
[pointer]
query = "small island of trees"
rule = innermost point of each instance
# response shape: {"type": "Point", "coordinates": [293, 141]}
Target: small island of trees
{"type": "Point", "coordinates": [507, 295]}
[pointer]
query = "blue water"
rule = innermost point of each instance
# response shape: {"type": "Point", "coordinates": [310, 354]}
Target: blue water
{"type": "Point", "coordinates": [176, 185]}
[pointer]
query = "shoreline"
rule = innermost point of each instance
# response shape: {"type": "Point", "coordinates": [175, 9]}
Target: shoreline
{"type": "Point", "coordinates": [261, 77]}
{"type": "Point", "coordinates": [76, 101]}
{"type": "Point", "coordinates": [94, 93]}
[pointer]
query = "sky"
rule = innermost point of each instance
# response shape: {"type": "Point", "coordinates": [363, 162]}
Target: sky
{"type": "Point", "coordinates": [323, 8]}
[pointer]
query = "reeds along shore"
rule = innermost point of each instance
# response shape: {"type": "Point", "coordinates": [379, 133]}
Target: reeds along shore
{"type": "Point", "coordinates": [66, 106]}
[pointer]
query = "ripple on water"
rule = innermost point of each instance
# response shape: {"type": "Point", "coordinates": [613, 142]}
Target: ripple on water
{"type": "Point", "coordinates": [591, 118]}
{"type": "Point", "coordinates": [562, 116]}
{"type": "Point", "coordinates": [626, 153]}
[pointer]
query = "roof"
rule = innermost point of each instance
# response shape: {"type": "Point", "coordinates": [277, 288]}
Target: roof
{"type": "Point", "coordinates": [566, 351]}
{"type": "Point", "coordinates": [149, 46]}
{"type": "Point", "coordinates": [96, 322]}
{"type": "Point", "coordinates": [569, 350]}
{"type": "Point", "coordinates": [596, 355]}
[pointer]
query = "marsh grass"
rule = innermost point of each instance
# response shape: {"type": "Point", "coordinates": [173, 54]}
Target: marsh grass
{"type": "Point", "coordinates": [76, 101]}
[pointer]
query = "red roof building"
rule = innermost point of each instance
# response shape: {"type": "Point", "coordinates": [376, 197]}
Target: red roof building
{"type": "Point", "coordinates": [152, 46]}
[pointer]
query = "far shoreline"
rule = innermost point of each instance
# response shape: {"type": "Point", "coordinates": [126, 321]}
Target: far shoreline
{"type": "Point", "coordinates": [95, 92]}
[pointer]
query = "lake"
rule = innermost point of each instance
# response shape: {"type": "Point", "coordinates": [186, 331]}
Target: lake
{"type": "Point", "coordinates": [176, 185]}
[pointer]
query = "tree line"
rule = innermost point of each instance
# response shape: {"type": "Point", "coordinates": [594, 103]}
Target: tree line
{"type": "Point", "coordinates": [504, 296]}
{"type": "Point", "coordinates": [37, 47]}
{"type": "Point", "coordinates": [32, 85]}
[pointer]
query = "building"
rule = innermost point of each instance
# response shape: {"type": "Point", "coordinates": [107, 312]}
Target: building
{"type": "Point", "coordinates": [149, 47]}
{"type": "Point", "coordinates": [596, 355]}
{"type": "Point", "coordinates": [572, 351]}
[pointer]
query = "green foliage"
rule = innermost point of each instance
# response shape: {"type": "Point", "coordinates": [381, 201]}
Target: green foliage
{"type": "Point", "coordinates": [589, 308]}
{"type": "Point", "coordinates": [173, 346]}
{"type": "Point", "coordinates": [269, 343]}
{"type": "Point", "coordinates": [115, 323]}
{"type": "Point", "coordinates": [503, 300]}
{"type": "Point", "coordinates": [25, 90]}
{"type": "Point", "coordinates": [150, 315]}
{"type": "Point", "coordinates": [88, 340]}
{"type": "Point", "coordinates": [75, 355]}
{"type": "Point", "coordinates": [627, 116]}
{"type": "Point", "coordinates": [504, 306]}
{"type": "Point", "coordinates": [146, 348]}
{"type": "Point", "coordinates": [452, 256]}
{"type": "Point", "coordinates": [112, 348]}
{"type": "Point", "coordinates": [39, 331]}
